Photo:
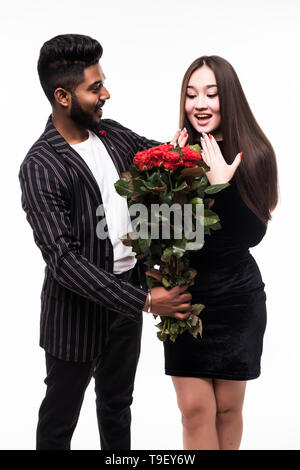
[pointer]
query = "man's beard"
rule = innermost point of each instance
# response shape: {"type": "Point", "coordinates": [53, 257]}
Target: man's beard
{"type": "Point", "coordinates": [82, 118]}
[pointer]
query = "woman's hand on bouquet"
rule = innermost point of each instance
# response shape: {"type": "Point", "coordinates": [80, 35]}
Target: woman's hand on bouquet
{"type": "Point", "coordinates": [175, 302]}
{"type": "Point", "coordinates": [220, 172]}
{"type": "Point", "coordinates": [181, 136]}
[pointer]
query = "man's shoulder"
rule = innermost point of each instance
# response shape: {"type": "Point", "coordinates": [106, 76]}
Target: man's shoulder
{"type": "Point", "coordinates": [114, 126]}
{"type": "Point", "coordinates": [40, 151]}
{"type": "Point", "coordinates": [42, 155]}
{"type": "Point", "coordinates": [125, 137]}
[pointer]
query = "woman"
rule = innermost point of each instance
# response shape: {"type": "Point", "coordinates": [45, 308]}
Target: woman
{"type": "Point", "coordinates": [210, 374]}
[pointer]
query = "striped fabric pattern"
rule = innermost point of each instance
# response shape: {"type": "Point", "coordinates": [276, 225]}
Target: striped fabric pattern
{"type": "Point", "coordinates": [60, 197]}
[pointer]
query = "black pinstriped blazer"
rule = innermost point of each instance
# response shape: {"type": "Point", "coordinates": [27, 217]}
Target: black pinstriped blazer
{"type": "Point", "coordinates": [60, 197]}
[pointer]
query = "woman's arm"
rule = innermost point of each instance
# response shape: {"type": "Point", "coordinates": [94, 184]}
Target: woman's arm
{"type": "Point", "coordinates": [236, 218]}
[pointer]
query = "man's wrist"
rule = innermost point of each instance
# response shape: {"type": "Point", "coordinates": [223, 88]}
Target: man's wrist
{"type": "Point", "coordinates": [148, 306]}
{"type": "Point", "coordinates": [149, 301]}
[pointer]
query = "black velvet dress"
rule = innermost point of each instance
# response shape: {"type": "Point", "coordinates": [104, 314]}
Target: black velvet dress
{"type": "Point", "coordinates": [230, 286]}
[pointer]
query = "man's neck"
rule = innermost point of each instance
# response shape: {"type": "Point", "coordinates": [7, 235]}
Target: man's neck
{"type": "Point", "coordinates": [72, 133]}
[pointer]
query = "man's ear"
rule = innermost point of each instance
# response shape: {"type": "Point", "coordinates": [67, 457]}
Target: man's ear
{"type": "Point", "coordinates": [62, 97]}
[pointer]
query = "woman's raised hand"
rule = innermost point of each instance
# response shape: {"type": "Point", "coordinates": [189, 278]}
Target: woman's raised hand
{"type": "Point", "coordinates": [220, 172]}
{"type": "Point", "coordinates": [181, 136]}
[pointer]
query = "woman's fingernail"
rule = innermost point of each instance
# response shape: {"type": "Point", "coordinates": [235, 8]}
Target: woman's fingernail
{"type": "Point", "coordinates": [185, 134]}
{"type": "Point", "coordinates": [241, 154]}
{"type": "Point", "coordinates": [210, 136]}
{"type": "Point", "coordinates": [204, 134]}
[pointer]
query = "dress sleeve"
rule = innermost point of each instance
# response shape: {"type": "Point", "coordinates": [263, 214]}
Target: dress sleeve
{"type": "Point", "coordinates": [236, 218]}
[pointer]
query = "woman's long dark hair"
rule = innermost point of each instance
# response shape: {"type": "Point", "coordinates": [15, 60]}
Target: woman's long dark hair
{"type": "Point", "coordinates": [256, 176]}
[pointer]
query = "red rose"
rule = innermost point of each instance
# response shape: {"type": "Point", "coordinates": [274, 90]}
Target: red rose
{"type": "Point", "coordinates": [143, 160]}
{"type": "Point", "coordinates": [162, 148]}
{"type": "Point", "coordinates": [157, 153]}
{"type": "Point", "coordinates": [153, 157]}
{"type": "Point", "coordinates": [190, 157]}
{"type": "Point", "coordinates": [172, 160]}
{"type": "Point", "coordinates": [163, 155]}
{"type": "Point", "coordinates": [190, 164]}
{"type": "Point", "coordinates": [103, 133]}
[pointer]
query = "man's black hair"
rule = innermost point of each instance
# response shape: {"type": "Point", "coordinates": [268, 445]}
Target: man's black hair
{"type": "Point", "coordinates": [63, 59]}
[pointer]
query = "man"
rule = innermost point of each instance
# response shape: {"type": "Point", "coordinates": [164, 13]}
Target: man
{"type": "Point", "coordinates": [92, 300]}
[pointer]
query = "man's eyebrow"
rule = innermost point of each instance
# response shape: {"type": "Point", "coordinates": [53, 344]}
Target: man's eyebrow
{"type": "Point", "coordinates": [99, 82]}
{"type": "Point", "coordinates": [206, 86]}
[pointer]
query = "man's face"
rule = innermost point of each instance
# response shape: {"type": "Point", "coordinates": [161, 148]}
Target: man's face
{"type": "Point", "coordinates": [89, 98]}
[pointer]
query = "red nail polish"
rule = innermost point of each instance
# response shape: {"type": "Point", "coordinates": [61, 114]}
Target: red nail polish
{"type": "Point", "coordinates": [210, 136]}
{"type": "Point", "coordinates": [241, 154]}
{"type": "Point", "coordinates": [185, 134]}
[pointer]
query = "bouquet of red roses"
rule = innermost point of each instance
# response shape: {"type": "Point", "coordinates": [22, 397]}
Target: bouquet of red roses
{"type": "Point", "coordinates": [168, 186]}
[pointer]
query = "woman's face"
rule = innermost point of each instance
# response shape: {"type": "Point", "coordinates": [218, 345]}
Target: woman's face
{"type": "Point", "coordinates": [202, 105]}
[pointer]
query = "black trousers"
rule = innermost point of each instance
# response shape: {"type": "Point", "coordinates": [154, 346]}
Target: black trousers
{"type": "Point", "coordinates": [114, 373]}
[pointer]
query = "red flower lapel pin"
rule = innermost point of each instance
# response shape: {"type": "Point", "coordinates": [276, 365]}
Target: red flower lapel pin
{"type": "Point", "coordinates": [103, 133]}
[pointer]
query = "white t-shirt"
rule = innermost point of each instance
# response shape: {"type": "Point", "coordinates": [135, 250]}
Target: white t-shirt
{"type": "Point", "coordinates": [115, 206]}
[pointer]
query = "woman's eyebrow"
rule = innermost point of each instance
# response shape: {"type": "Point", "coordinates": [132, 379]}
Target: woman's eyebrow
{"type": "Point", "coordinates": [206, 86]}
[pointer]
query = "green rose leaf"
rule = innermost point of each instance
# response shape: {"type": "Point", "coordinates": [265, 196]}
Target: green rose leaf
{"type": "Point", "coordinates": [135, 172]}
{"type": "Point", "coordinates": [182, 186]}
{"type": "Point", "coordinates": [174, 327]}
{"type": "Point", "coordinates": [195, 246]}
{"type": "Point", "coordinates": [122, 187]}
{"type": "Point", "coordinates": [154, 181]}
{"type": "Point", "coordinates": [203, 183]}
{"type": "Point", "coordinates": [165, 282]}
{"type": "Point", "coordinates": [166, 198]}
{"type": "Point", "coordinates": [197, 308]}
{"type": "Point", "coordinates": [196, 200]}
{"type": "Point", "coordinates": [216, 226]}
{"type": "Point", "coordinates": [138, 185]}
{"type": "Point", "coordinates": [197, 330]}
{"type": "Point", "coordinates": [161, 336]}
{"type": "Point", "coordinates": [196, 184]}
{"type": "Point", "coordinates": [178, 251]}
{"type": "Point", "coordinates": [193, 319]}
{"type": "Point", "coordinates": [144, 244]}
{"type": "Point", "coordinates": [168, 252]}
{"type": "Point", "coordinates": [196, 147]}
{"type": "Point", "coordinates": [177, 149]}
{"type": "Point", "coordinates": [215, 188]}
{"type": "Point", "coordinates": [210, 217]}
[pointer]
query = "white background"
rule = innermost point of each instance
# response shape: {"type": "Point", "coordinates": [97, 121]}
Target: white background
{"type": "Point", "coordinates": [147, 47]}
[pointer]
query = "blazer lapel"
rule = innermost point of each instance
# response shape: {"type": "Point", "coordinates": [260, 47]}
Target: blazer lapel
{"type": "Point", "coordinates": [73, 159]}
